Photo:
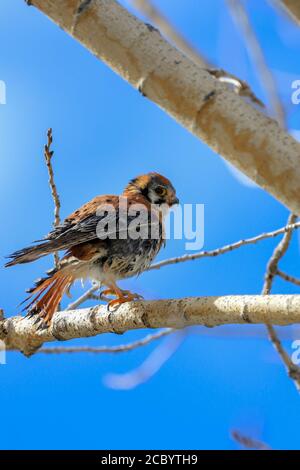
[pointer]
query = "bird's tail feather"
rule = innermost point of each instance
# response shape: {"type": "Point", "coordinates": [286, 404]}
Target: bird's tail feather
{"type": "Point", "coordinates": [46, 295]}
{"type": "Point", "coordinates": [32, 253]}
{"type": "Point", "coordinates": [26, 255]}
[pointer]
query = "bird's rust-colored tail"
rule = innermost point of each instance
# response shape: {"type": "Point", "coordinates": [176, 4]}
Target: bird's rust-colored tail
{"type": "Point", "coordinates": [47, 294]}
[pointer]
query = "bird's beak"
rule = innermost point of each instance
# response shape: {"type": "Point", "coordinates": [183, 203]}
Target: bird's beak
{"type": "Point", "coordinates": [174, 201]}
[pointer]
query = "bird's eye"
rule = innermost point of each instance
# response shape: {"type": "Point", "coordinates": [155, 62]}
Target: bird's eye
{"type": "Point", "coordinates": [160, 191]}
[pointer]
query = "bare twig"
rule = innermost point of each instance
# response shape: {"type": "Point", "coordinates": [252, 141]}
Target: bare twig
{"type": "Point", "coordinates": [48, 158]}
{"type": "Point", "coordinates": [108, 349]}
{"type": "Point", "coordinates": [278, 253]}
{"type": "Point", "coordinates": [288, 278]}
{"type": "Point", "coordinates": [84, 297]}
{"type": "Point", "coordinates": [272, 268]}
{"type": "Point", "coordinates": [154, 362]}
{"type": "Point", "coordinates": [254, 48]}
{"type": "Point", "coordinates": [226, 248]}
{"type": "Point", "coordinates": [248, 442]}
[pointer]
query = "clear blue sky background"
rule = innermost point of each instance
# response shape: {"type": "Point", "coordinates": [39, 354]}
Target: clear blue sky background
{"type": "Point", "coordinates": [105, 133]}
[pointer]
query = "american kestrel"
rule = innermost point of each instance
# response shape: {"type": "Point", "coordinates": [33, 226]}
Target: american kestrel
{"type": "Point", "coordinates": [108, 239]}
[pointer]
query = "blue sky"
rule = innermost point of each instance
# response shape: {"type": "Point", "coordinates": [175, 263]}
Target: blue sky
{"type": "Point", "coordinates": [104, 134]}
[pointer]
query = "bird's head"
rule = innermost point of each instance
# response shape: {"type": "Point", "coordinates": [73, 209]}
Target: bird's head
{"type": "Point", "coordinates": [154, 187]}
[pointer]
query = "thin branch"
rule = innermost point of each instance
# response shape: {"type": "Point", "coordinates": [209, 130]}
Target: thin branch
{"type": "Point", "coordinates": [154, 362]}
{"type": "Point", "coordinates": [288, 278]}
{"type": "Point", "coordinates": [278, 253]}
{"type": "Point", "coordinates": [248, 442]}
{"type": "Point", "coordinates": [220, 333]}
{"type": "Point", "coordinates": [22, 333]}
{"type": "Point", "coordinates": [238, 131]}
{"type": "Point", "coordinates": [108, 349]}
{"type": "Point", "coordinates": [272, 268]}
{"type": "Point", "coordinates": [226, 248]}
{"type": "Point", "coordinates": [84, 297]}
{"type": "Point", "coordinates": [255, 51]}
{"type": "Point", "coordinates": [48, 158]}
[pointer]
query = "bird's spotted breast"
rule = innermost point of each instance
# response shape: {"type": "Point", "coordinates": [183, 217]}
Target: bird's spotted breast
{"type": "Point", "coordinates": [129, 257]}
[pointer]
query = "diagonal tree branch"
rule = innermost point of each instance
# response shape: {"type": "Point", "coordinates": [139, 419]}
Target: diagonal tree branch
{"type": "Point", "coordinates": [84, 297]}
{"type": "Point", "coordinates": [22, 334]}
{"type": "Point", "coordinates": [251, 141]}
{"type": "Point", "coordinates": [278, 253]}
{"type": "Point", "coordinates": [293, 8]}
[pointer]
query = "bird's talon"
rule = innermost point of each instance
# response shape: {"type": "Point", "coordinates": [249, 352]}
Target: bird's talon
{"type": "Point", "coordinates": [138, 297]}
{"type": "Point", "coordinates": [105, 293]}
{"type": "Point", "coordinates": [126, 297]}
{"type": "Point", "coordinates": [132, 296]}
{"type": "Point", "coordinates": [115, 303]}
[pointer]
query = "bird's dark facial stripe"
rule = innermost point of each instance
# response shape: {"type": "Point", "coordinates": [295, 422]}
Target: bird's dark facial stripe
{"type": "Point", "coordinates": [145, 192]}
{"type": "Point", "coordinates": [160, 202]}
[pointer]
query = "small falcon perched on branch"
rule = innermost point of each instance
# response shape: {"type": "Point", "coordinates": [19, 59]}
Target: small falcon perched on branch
{"type": "Point", "coordinates": [109, 238]}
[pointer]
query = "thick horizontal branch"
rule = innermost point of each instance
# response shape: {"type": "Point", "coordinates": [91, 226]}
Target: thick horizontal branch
{"type": "Point", "coordinates": [247, 138]}
{"type": "Point", "coordinates": [21, 333]}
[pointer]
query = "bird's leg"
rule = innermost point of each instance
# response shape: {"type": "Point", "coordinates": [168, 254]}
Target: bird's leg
{"type": "Point", "coordinates": [122, 296]}
{"type": "Point", "coordinates": [107, 292]}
